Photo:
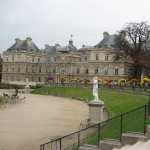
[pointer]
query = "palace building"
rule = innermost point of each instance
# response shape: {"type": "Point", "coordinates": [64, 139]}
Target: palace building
{"type": "Point", "coordinates": [25, 62]}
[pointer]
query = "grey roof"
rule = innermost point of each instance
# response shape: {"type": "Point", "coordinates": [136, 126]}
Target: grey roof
{"type": "Point", "coordinates": [68, 48]}
{"type": "Point", "coordinates": [51, 50]}
{"type": "Point", "coordinates": [108, 41]}
{"type": "Point", "coordinates": [24, 45]}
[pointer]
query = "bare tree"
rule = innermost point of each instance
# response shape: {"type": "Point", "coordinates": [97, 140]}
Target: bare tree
{"type": "Point", "coordinates": [133, 41]}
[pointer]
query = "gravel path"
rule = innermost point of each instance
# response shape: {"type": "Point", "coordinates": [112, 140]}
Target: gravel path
{"type": "Point", "coordinates": [25, 126]}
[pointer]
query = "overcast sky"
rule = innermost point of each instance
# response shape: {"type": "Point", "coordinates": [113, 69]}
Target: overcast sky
{"type": "Point", "coordinates": [53, 21]}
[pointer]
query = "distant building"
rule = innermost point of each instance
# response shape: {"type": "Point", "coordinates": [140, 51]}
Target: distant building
{"type": "Point", "coordinates": [25, 62]}
{"type": "Point", "coordinates": [87, 62]}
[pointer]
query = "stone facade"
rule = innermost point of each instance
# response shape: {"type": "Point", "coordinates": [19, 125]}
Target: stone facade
{"type": "Point", "coordinates": [22, 65]}
{"type": "Point", "coordinates": [83, 65]}
{"type": "Point", "coordinates": [24, 62]}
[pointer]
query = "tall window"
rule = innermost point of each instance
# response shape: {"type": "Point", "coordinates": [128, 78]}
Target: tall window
{"type": "Point", "coordinates": [26, 69]}
{"type": "Point", "coordinates": [38, 59]}
{"type": "Point", "coordinates": [13, 69]}
{"type": "Point", "coordinates": [32, 79]}
{"type": "Point", "coordinates": [96, 71]}
{"type": "Point", "coordinates": [105, 71]}
{"type": "Point", "coordinates": [87, 71]}
{"type": "Point", "coordinates": [85, 58]}
{"type": "Point", "coordinates": [18, 68]}
{"type": "Point", "coordinates": [97, 57]}
{"type": "Point", "coordinates": [78, 70]}
{"type": "Point", "coordinates": [33, 69]}
{"type": "Point", "coordinates": [40, 69]}
{"type": "Point", "coordinates": [13, 58]}
{"type": "Point", "coordinates": [116, 71]}
{"type": "Point", "coordinates": [54, 71]}
{"type": "Point", "coordinates": [32, 59]}
{"type": "Point", "coordinates": [106, 58]}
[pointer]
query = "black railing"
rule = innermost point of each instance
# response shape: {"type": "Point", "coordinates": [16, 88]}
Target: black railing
{"type": "Point", "coordinates": [133, 121]}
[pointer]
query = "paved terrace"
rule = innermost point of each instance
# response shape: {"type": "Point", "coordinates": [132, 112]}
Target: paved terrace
{"type": "Point", "coordinates": [25, 126]}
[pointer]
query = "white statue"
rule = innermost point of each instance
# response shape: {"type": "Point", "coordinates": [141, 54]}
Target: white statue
{"type": "Point", "coordinates": [27, 86]}
{"type": "Point", "coordinates": [95, 90]}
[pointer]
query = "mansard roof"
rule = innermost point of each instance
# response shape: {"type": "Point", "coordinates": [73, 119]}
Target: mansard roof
{"type": "Point", "coordinates": [24, 45]}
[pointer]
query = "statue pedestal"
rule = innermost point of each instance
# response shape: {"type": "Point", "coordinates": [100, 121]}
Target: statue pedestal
{"type": "Point", "coordinates": [96, 112]}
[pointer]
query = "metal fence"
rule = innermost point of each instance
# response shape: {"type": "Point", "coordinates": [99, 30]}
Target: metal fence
{"type": "Point", "coordinates": [136, 89]}
{"type": "Point", "coordinates": [133, 121]}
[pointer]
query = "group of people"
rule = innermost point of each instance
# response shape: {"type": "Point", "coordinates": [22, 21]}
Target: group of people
{"type": "Point", "coordinates": [15, 95]}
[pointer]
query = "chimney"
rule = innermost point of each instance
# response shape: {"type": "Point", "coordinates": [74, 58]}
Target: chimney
{"type": "Point", "coordinates": [70, 42]}
{"type": "Point", "coordinates": [105, 35]}
{"type": "Point", "coordinates": [29, 40]}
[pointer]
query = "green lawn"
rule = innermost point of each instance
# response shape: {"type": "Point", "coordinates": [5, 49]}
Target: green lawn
{"type": "Point", "coordinates": [116, 101]}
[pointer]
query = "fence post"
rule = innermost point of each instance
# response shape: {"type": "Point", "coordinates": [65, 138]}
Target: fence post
{"type": "Point", "coordinates": [145, 117]}
{"type": "Point", "coordinates": [99, 126]}
{"type": "Point", "coordinates": [78, 139]}
{"type": "Point", "coordinates": [60, 143]}
{"type": "Point", "coordinates": [121, 125]}
{"type": "Point", "coordinates": [148, 104]}
{"type": "Point", "coordinates": [42, 147]}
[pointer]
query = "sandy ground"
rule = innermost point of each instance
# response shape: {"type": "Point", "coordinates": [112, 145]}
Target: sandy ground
{"type": "Point", "coordinates": [27, 125]}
